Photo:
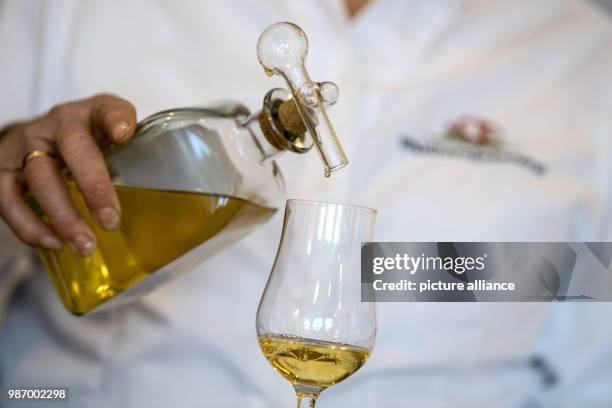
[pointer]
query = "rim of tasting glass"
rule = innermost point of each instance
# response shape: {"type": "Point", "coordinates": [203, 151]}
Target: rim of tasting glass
{"type": "Point", "coordinates": [331, 203]}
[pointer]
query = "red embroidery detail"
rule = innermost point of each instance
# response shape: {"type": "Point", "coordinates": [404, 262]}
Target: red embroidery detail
{"type": "Point", "coordinates": [475, 130]}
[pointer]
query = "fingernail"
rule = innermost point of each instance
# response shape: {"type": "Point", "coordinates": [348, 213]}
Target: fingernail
{"type": "Point", "coordinates": [83, 245]}
{"type": "Point", "coordinates": [120, 130]}
{"type": "Point", "coordinates": [108, 218]}
{"type": "Point", "coordinates": [50, 242]}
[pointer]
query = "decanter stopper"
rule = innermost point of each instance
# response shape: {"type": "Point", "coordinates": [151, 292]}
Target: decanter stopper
{"type": "Point", "coordinates": [281, 50]}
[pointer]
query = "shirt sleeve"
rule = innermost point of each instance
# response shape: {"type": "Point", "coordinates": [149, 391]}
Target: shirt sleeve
{"type": "Point", "coordinates": [20, 39]}
{"type": "Point", "coordinates": [17, 263]}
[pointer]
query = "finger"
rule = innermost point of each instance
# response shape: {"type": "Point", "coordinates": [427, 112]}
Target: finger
{"type": "Point", "coordinates": [114, 116]}
{"type": "Point", "coordinates": [84, 159]}
{"type": "Point", "coordinates": [20, 217]}
{"type": "Point", "coordinates": [47, 186]}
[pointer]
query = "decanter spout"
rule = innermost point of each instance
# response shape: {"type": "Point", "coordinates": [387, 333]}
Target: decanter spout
{"type": "Point", "coordinates": [281, 50]}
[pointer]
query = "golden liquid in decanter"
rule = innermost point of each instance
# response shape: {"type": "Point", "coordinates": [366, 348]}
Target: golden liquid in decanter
{"type": "Point", "coordinates": [157, 227]}
{"type": "Point", "coordinates": [312, 362]}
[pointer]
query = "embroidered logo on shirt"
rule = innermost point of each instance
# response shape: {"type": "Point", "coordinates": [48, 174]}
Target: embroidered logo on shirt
{"type": "Point", "coordinates": [473, 138]}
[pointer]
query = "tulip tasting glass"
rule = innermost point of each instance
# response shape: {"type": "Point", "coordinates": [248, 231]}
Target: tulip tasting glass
{"type": "Point", "coordinates": [311, 324]}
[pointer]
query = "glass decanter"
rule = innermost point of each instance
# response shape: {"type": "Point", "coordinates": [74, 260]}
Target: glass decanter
{"type": "Point", "coordinates": [195, 180]}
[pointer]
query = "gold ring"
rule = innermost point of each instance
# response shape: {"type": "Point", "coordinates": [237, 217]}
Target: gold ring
{"type": "Point", "coordinates": [35, 154]}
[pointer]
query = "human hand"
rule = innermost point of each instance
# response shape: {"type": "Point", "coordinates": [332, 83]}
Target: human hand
{"type": "Point", "coordinates": [31, 156]}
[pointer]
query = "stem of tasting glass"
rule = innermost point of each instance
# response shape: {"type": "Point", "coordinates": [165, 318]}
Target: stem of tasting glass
{"type": "Point", "coordinates": [306, 401]}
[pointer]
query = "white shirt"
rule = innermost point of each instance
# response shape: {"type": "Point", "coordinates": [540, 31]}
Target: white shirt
{"type": "Point", "coordinates": [541, 70]}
